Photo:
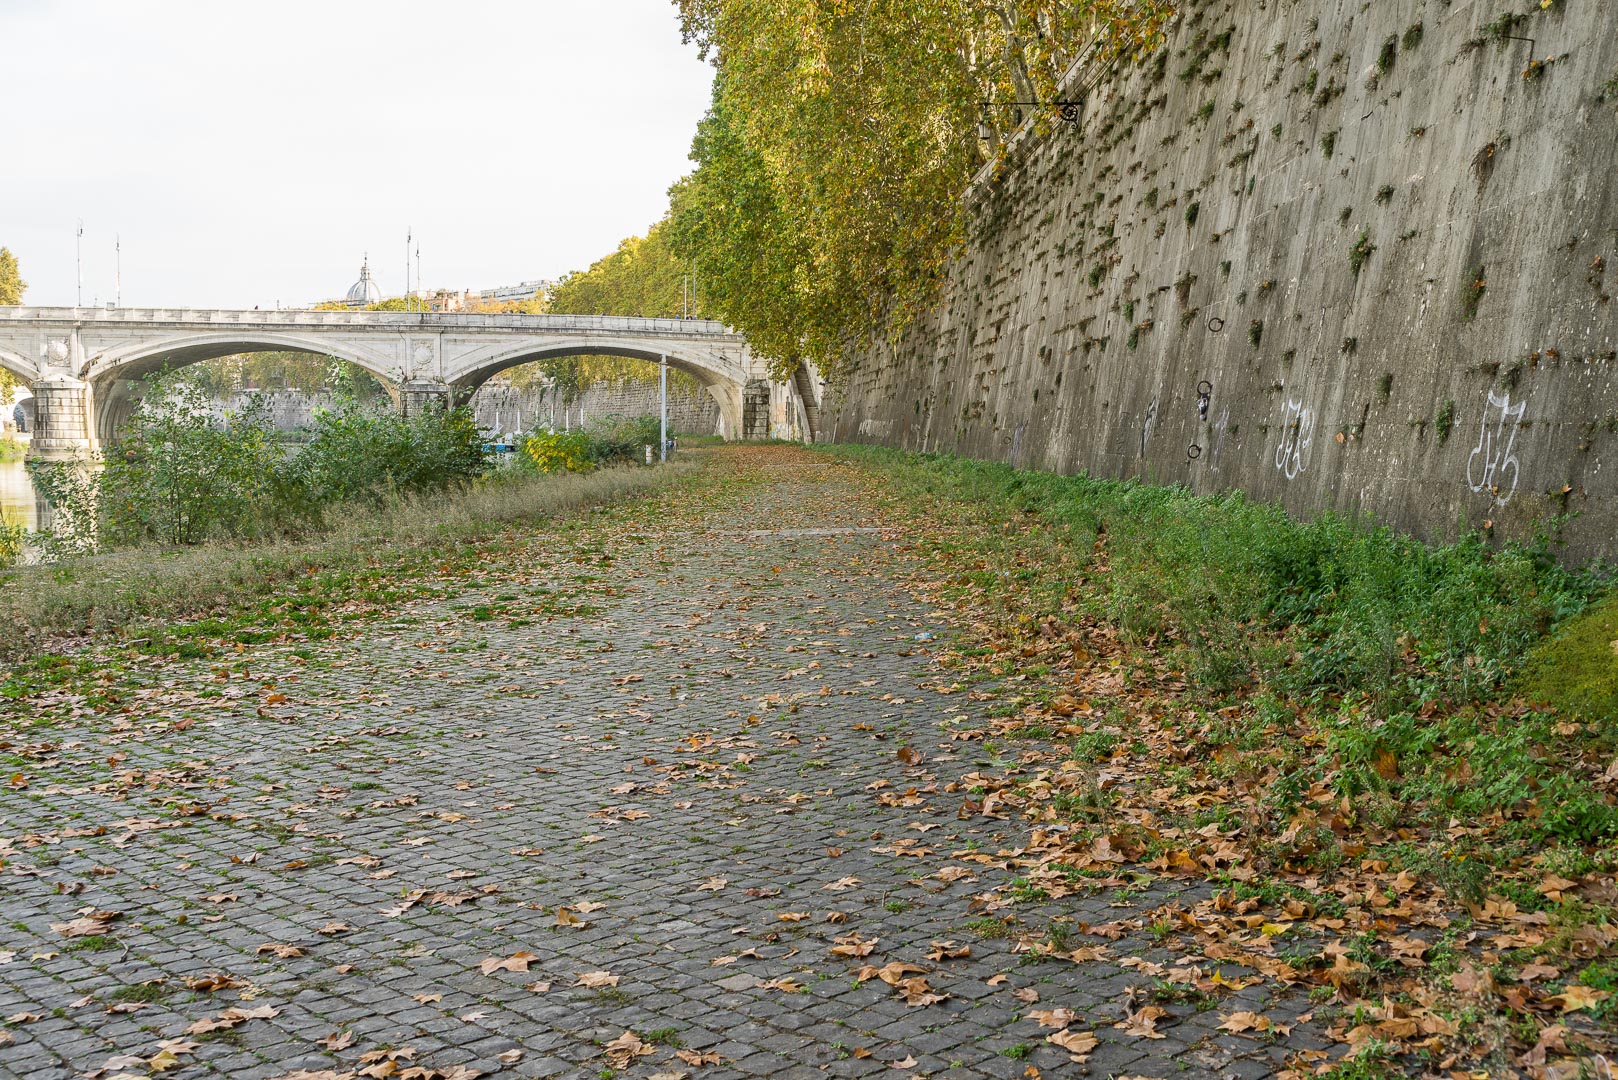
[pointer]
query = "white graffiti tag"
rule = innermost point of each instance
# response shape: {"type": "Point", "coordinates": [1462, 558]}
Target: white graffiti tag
{"type": "Point", "coordinates": [1297, 436]}
{"type": "Point", "coordinates": [1489, 461]}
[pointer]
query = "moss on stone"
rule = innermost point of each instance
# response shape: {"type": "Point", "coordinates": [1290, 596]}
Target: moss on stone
{"type": "Point", "coordinates": [1576, 671]}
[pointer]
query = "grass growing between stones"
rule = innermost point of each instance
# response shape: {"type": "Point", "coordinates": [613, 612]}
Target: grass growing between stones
{"type": "Point", "coordinates": [249, 591]}
{"type": "Point", "coordinates": [1322, 720]}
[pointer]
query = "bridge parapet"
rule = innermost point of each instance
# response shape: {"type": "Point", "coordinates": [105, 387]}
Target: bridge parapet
{"type": "Point", "coordinates": [436, 321]}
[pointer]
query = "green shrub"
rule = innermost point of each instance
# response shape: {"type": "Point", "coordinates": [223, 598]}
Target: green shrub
{"type": "Point", "coordinates": [180, 475]}
{"type": "Point", "coordinates": [366, 453]}
{"type": "Point", "coordinates": [612, 440]}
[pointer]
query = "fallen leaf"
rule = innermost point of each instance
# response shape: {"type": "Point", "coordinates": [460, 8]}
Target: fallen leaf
{"type": "Point", "coordinates": [626, 1048]}
{"type": "Point", "coordinates": [1052, 1018]}
{"type": "Point", "coordinates": [517, 961]}
{"type": "Point", "coordinates": [1078, 1044]}
{"type": "Point", "coordinates": [595, 980]}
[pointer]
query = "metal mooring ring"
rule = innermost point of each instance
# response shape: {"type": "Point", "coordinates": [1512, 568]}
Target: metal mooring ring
{"type": "Point", "coordinates": [1193, 452]}
{"type": "Point", "coordinates": [1216, 324]}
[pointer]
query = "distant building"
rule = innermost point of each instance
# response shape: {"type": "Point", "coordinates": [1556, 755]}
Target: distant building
{"type": "Point", "coordinates": [523, 290]}
{"type": "Point", "coordinates": [365, 292]}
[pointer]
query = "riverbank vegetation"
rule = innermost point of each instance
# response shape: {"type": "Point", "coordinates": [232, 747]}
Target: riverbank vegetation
{"type": "Point", "coordinates": [613, 440]}
{"type": "Point", "coordinates": [1367, 745]}
{"type": "Point", "coordinates": [179, 475]}
{"type": "Point", "coordinates": [376, 553]}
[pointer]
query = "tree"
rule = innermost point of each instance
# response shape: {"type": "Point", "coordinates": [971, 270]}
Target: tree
{"type": "Point", "coordinates": [644, 277]}
{"type": "Point", "coordinates": [12, 285]}
{"type": "Point", "coordinates": [827, 197]}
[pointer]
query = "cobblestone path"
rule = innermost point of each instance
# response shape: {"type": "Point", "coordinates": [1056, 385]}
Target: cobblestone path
{"type": "Point", "coordinates": [646, 777]}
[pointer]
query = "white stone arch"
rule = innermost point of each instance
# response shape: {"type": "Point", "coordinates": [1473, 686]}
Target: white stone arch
{"type": "Point", "coordinates": [19, 365]}
{"type": "Point", "coordinates": [722, 375]}
{"type": "Point", "coordinates": [109, 372]}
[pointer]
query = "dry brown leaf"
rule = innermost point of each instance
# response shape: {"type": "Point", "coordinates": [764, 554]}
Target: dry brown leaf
{"type": "Point", "coordinates": [1052, 1018]}
{"type": "Point", "coordinates": [1078, 1044]}
{"type": "Point", "coordinates": [517, 961]}
{"type": "Point", "coordinates": [626, 1048]}
{"type": "Point", "coordinates": [699, 1057]}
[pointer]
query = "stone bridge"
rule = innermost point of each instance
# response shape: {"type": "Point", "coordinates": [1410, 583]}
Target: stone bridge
{"type": "Point", "coordinates": [84, 364]}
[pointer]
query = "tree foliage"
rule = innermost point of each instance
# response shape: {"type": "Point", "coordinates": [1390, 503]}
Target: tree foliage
{"type": "Point", "coordinates": [643, 277]}
{"type": "Point", "coordinates": [11, 289]}
{"type": "Point", "coordinates": [830, 168]}
{"type": "Point", "coordinates": [12, 286]}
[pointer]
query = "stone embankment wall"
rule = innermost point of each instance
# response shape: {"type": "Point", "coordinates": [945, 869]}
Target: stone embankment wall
{"type": "Point", "coordinates": [501, 407]}
{"type": "Point", "coordinates": [1345, 256]}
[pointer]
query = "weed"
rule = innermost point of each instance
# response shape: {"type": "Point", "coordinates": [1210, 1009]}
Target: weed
{"type": "Point", "coordinates": [1473, 286]}
{"type": "Point", "coordinates": [1388, 53]}
{"type": "Point", "coordinates": [1328, 144]}
{"type": "Point", "coordinates": [1361, 251]}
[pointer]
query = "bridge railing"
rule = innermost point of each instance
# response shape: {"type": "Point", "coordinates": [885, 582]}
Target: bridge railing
{"type": "Point", "coordinates": [371, 320]}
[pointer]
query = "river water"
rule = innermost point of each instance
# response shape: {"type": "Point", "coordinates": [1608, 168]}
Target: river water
{"type": "Point", "coordinates": [17, 501]}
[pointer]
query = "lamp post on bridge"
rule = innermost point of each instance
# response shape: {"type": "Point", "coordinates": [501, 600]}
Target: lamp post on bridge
{"type": "Point", "coordinates": [663, 407]}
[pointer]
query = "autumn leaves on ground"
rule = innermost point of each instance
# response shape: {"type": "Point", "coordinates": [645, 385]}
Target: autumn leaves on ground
{"type": "Point", "coordinates": [828, 763]}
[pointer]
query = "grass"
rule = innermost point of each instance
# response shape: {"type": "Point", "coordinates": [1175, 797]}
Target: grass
{"type": "Point", "coordinates": [1395, 661]}
{"type": "Point", "coordinates": [375, 555]}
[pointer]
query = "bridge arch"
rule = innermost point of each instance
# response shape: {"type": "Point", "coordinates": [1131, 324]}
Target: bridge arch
{"type": "Point", "coordinates": [722, 375]}
{"type": "Point", "coordinates": [111, 374]}
{"type": "Point", "coordinates": [19, 366]}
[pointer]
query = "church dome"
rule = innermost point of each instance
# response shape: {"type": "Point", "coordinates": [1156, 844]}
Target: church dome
{"type": "Point", "coordinates": [364, 291]}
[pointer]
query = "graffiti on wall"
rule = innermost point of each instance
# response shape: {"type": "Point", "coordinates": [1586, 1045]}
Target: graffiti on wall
{"type": "Point", "coordinates": [1490, 461]}
{"type": "Point", "coordinates": [1146, 428]}
{"type": "Point", "coordinates": [1297, 436]}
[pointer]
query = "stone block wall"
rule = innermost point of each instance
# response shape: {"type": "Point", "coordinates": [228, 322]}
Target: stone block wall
{"type": "Point", "coordinates": [1344, 256]}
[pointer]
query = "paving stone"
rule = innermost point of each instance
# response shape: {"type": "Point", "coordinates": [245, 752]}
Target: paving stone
{"type": "Point", "coordinates": [725, 705]}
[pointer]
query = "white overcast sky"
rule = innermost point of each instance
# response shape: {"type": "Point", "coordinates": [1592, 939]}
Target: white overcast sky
{"type": "Point", "coordinates": [252, 153]}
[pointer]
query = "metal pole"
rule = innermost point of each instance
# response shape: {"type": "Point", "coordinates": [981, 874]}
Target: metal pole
{"type": "Point", "coordinates": [78, 255]}
{"type": "Point", "coordinates": [663, 407]}
{"type": "Point", "coordinates": [118, 259]}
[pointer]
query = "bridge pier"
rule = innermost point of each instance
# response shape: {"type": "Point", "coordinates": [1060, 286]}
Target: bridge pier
{"type": "Point", "coordinates": [63, 414]}
{"type": "Point", "coordinates": [419, 395]}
